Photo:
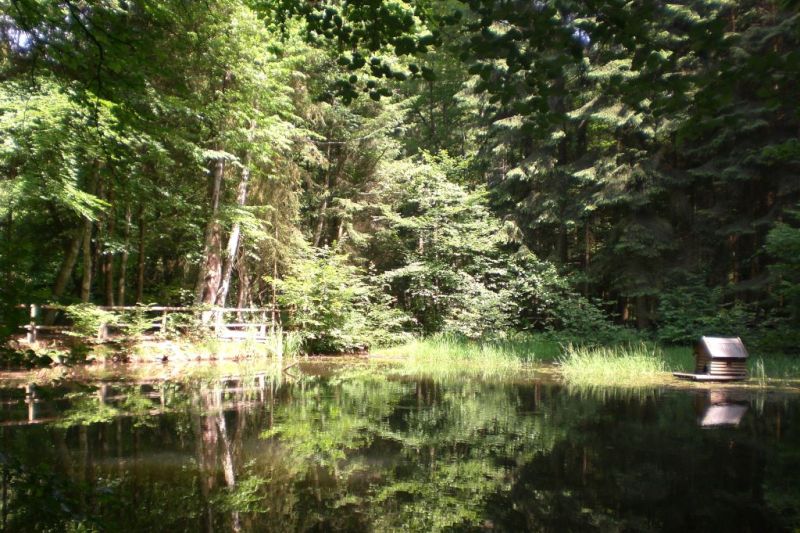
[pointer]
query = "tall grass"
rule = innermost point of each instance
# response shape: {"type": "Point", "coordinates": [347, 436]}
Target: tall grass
{"type": "Point", "coordinates": [451, 355]}
{"type": "Point", "coordinates": [636, 365]}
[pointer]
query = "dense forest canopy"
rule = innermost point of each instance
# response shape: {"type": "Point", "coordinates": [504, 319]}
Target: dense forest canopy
{"type": "Point", "coordinates": [381, 168]}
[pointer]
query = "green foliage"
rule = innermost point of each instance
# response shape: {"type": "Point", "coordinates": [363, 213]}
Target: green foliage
{"type": "Point", "coordinates": [545, 299]}
{"type": "Point", "coordinates": [451, 277]}
{"type": "Point", "coordinates": [783, 244]}
{"type": "Point", "coordinates": [691, 310]}
{"type": "Point", "coordinates": [30, 358]}
{"type": "Point", "coordinates": [333, 307]}
{"type": "Point", "coordinates": [487, 167]}
{"type": "Point", "coordinates": [137, 322]}
{"type": "Point", "coordinates": [88, 320]}
{"type": "Point", "coordinates": [85, 410]}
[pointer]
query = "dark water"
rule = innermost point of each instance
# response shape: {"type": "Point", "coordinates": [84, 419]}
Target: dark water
{"type": "Point", "coordinates": [354, 452]}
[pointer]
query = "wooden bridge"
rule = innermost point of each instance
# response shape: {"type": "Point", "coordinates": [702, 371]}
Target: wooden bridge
{"type": "Point", "coordinates": [217, 393]}
{"type": "Point", "coordinates": [216, 319]}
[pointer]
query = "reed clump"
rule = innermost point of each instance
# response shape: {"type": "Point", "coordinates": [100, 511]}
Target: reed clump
{"type": "Point", "coordinates": [635, 365]}
{"type": "Point", "coordinates": [452, 355]}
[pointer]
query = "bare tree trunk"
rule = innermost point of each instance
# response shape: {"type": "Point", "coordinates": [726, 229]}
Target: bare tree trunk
{"type": "Point", "coordinates": [86, 251]}
{"type": "Point", "coordinates": [210, 273]}
{"type": "Point", "coordinates": [233, 240]}
{"type": "Point", "coordinates": [9, 240]}
{"type": "Point", "coordinates": [243, 296]}
{"type": "Point", "coordinates": [323, 207]}
{"type": "Point", "coordinates": [123, 265]}
{"type": "Point", "coordinates": [108, 254]}
{"type": "Point", "coordinates": [85, 247]}
{"type": "Point", "coordinates": [587, 257]}
{"type": "Point", "coordinates": [67, 265]}
{"type": "Point", "coordinates": [321, 213]}
{"type": "Point", "coordinates": [209, 276]}
{"type": "Point", "coordinates": [275, 275]}
{"type": "Point", "coordinates": [64, 273]}
{"type": "Point", "coordinates": [140, 258]}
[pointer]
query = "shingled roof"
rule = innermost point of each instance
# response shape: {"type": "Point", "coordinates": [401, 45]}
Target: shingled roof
{"type": "Point", "coordinates": [723, 347]}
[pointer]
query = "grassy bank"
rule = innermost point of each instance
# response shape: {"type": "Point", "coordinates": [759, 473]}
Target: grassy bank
{"type": "Point", "coordinates": [639, 365]}
{"type": "Point", "coordinates": [633, 365]}
{"type": "Point", "coordinates": [446, 355]}
{"type": "Point", "coordinates": [647, 364]}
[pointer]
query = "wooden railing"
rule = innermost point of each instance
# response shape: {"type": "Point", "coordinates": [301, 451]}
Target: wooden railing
{"type": "Point", "coordinates": [266, 318]}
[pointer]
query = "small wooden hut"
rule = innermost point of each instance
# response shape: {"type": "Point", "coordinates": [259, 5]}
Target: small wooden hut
{"type": "Point", "coordinates": [718, 359]}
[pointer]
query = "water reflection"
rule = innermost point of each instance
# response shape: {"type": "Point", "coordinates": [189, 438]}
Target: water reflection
{"type": "Point", "coordinates": [358, 451]}
{"type": "Point", "coordinates": [723, 408]}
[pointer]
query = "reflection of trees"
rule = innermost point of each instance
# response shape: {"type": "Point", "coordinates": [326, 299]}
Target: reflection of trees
{"type": "Point", "coordinates": [643, 466]}
{"type": "Point", "coordinates": [385, 454]}
{"type": "Point", "coordinates": [358, 451]}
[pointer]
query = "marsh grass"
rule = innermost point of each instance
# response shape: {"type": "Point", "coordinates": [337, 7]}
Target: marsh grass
{"type": "Point", "coordinates": [776, 366]}
{"type": "Point", "coordinates": [452, 356]}
{"type": "Point", "coordinates": [636, 365]}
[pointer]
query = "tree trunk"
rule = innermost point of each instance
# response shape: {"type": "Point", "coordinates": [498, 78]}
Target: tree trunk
{"type": "Point", "coordinates": [587, 257]}
{"type": "Point", "coordinates": [140, 258]}
{"type": "Point", "coordinates": [243, 297]}
{"type": "Point", "coordinates": [70, 258]}
{"type": "Point", "coordinates": [233, 240]}
{"type": "Point", "coordinates": [108, 254]}
{"type": "Point", "coordinates": [86, 243]}
{"type": "Point", "coordinates": [208, 280]}
{"type": "Point", "coordinates": [86, 251]}
{"type": "Point", "coordinates": [323, 206]}
{"type": "Point", "coordinates": [642, 312]}
{"type": "Point", "coordinates": [8, 245]}
{"type": "Point", "coordinates": [123, 265]}
{"type": "Point", "coordinates": [64, 273]}
{"type": "Point", "coordinates": [275, 276]}
{"type": "Point", "coordinates": [562, 250]}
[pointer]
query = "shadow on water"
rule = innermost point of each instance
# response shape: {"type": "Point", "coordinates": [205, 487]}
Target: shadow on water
{"type": "Point", "coordinates": [351, 449]}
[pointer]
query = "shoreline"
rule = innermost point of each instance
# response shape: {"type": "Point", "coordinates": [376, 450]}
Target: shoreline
{"type": "Point", "coordinates": [547, 373]}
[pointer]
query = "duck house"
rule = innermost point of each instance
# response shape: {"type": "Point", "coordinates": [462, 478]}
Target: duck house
{"type": "Point", "coordinates": [718, 359]}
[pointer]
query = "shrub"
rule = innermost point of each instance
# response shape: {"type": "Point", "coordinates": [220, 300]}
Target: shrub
{"type": "Point", "coordinates": [333, 307]}
{"type": "Point", "coordinates": [88, 319]}
{"type": "Point", "coordinates": [692, 310]}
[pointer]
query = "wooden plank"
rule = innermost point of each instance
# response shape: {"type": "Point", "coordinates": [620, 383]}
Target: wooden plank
{"type": "Point", "coordinates": [706, 377]}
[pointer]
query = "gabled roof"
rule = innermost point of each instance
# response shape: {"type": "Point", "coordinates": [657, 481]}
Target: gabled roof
{"type": "Point", "coordinates": [723, 347]}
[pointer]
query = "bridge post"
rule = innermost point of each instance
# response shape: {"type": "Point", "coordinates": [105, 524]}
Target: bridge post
{"type": "Point", "coordinates": [218, 322]}
{"type": "Point", "coordinates": [32, 326]}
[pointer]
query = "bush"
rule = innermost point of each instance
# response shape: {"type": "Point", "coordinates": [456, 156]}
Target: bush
{"type": "Point", "coordinates": [692, 310]}
{"type": "Point", "coordinates": [88, 319]}
{"type": "Point", "coordinates": [333, 307]}
{"type": "Point", "coordinates": [137, 322]}
{"type": "Point", "coordinates": [545, 301]}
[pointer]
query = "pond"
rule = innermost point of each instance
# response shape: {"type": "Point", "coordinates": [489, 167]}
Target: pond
{"type": "Point", "coordinates": [358, 449]}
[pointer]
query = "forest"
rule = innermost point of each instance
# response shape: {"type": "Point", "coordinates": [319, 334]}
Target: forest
{"type": "Point", "coordinates": [605, 171]}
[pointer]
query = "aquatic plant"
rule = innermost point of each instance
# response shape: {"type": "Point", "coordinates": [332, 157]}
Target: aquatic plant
{"type": "Point", "coordinates": [632, 365]}
{"type": "Point", "coordinates": [452, 355]}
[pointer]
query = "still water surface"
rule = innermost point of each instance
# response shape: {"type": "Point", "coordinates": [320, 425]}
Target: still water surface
{"type": "Point", "coordinates": [350, 450]}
